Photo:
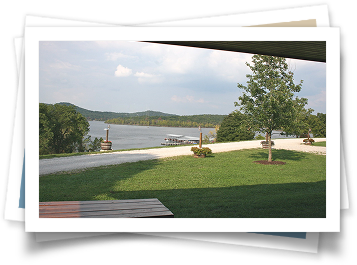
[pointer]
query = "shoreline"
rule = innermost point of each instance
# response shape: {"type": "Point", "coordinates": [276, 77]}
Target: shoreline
{"type": "Point", "coordinates": [60, 164]}
{"type": "Point", "coordinates": [142, 125]}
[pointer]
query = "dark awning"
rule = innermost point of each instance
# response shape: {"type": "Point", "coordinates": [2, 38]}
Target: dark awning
{"type": "Point", "coordinates": [304, 50]}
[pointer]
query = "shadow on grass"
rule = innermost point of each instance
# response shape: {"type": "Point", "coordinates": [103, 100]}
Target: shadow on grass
{"type": "Point", "coordinates": [279, 155]}
{"type": "Point", "coordinates": [287, 200]}
{"type": "Point", "coordinates": [291, 200]}
{"type": "Point", "coordinates": [85, 184]}
{"type": "Point", "coordinates": [67, 164]}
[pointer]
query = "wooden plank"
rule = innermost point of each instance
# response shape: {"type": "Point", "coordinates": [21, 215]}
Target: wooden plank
{"type": "Point", "coordinates": [140, 208]}
{"type": "Point", "coordinates": [105, 207]}
{"type": "Point", "coordinates": [164, 214]}
{"type": "Point", "coordinates": [98, 214]}
{"type": "Point", "coordinates": [45, 211]}
{"type": "Point", "coordinates": [97, 202]}
{"type": "Point", "coordinates": [167, 214]}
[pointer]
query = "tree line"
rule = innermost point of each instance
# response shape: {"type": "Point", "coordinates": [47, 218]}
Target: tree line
{"type": "Point", "coordinates": [238, 127]}
{"type": "Point", "coordinates": [205, 121]}
{"type": "Point", "coordinates": [63, 130]}
{"type": "Point", "coordinates": [106, 115]}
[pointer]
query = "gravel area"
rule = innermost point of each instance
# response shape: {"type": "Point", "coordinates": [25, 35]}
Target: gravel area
{"type": "Point", "coordinates": [54, 165]}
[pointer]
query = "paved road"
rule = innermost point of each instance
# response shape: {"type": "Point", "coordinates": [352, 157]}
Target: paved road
{"type": "Point", "coordinates": [53, 165]}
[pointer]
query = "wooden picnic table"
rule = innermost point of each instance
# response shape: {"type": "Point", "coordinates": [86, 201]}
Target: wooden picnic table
{"type": "Point", "coordinates": [136, 208]}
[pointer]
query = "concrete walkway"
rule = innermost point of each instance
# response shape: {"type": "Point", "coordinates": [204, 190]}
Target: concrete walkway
{"type": "Point", "coordinates": [53, 165]}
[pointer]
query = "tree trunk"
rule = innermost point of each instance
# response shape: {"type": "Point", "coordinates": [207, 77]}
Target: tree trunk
{"type": "Point", "coordinates": [270, 154]}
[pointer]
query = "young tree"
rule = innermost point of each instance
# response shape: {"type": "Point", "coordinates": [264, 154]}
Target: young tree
{"type": "Point", "coordinates": [268, 98]}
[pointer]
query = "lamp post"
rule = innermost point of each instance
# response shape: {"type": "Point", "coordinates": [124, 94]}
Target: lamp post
{"type": "Point", "coordinates": [106, 145]}
{"type": "Point", "coordinates": [200, 144]}
{"type": "Point", "coordinates": [107, 129]}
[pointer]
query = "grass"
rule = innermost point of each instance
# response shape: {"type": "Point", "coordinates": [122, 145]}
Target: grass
{"type": "Point", "coordinates": [49, 156]}
{"type": "Point", "coordinates": [320, 143]}
{"type": "Point", "coordinates": [223, 185]}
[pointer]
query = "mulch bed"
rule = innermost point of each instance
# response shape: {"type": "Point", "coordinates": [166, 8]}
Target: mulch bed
{"type": "Point", "coordinates": [265, 162]}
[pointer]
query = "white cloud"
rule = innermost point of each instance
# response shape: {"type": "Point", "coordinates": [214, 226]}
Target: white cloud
{"type": "Point", "coordinates": [64, 65]}
{"type": "Point", "coordinates": [173, 59]}
{"type": "Point", "coordinates": [113, 56]}
{"type": "Point", "coordinates": [230, 66]}
{"type": "Point", "coordinates": [318, 102]}
{"type": "Point", "coordinates": [122, 71]}
{"type": "Point", "coordinates": [148, 78]}
{"type": "Point", "coordinates": [153, 49]}
{"type": "Point", "coordinates": [142, 74]}
{"type": "Point", "coordinates": [187, 99]}
{"type": "Point", "coordinates": [180, 60]}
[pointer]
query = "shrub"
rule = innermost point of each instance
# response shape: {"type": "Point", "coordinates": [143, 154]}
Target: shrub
{"type": "Point", "coordinates": [265, 142]}
{"type": "Point", "coordinates": [201, 151]}
{"type": "Point", "coordinates": [259, 137]}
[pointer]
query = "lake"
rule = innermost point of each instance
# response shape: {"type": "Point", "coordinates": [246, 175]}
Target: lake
{"type": "Point", "coordinates": [132, 136]}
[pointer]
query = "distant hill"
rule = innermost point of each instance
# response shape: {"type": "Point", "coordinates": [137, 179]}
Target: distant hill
{"type": "Point", "coordinates": [192, 121]}
{"type": "Point", "coordinates": [151, 118]}
{"type": "Point", "coordinates": [105, 115]}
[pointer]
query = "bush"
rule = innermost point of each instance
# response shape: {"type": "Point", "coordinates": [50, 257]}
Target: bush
{"type": "Point", "coordinates": [267, 142]}
{"type": "Point", "coordinates": [259, 137]}
{"type": "Point", "coordinates": [201, 151]}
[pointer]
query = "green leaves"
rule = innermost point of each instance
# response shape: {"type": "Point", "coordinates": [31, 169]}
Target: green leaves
{"type": "Point", "coordinates": [201, 151]}
{"type": "Point", "coordinates": [235, 127]}
{"type": "Point", "coordinates": [61, 129]}
{"type": "Point", "coordinates": [268, 98]}
{"type": "Point", "coordinates": [269, 95]}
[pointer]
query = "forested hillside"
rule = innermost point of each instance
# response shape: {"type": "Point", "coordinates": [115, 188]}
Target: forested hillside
{"type": "Point", "coordinates": [106, 115]}
{"type": "Point", "coordinates": [205, 121]}
{"type": "Point", "coordinates": [151, 118]}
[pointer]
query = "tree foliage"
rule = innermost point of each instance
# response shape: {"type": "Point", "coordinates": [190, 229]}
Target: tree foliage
{"type": "Point", "coordinates": [235, 127]}
{"type": "Point", "coordinates": [204, 120]}
{"type": "Point", "coordinates": [90, 145]}
{"type": "Point", "coordinates": [300, 125]}
{"type": "Point", "coordinates": [317, 124]}
{"type": "Point", "coordinates": [61, 129]}
{"type": "Point", "coordinates": [106, 115]}
{"type": "Point", "coordinates": [268, 98]}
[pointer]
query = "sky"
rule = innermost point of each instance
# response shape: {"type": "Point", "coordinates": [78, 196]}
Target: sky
{"type": "Point", "coordinates": [128, 76]}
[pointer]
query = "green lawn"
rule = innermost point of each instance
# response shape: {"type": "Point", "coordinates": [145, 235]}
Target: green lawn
{"type": "Point", "coordinates": [226, 184]}
{"type": "Point", "coordinates": [320, 143]}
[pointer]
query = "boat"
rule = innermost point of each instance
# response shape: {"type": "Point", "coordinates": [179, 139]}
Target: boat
{"type": "Point", "coordinates": [178, 139]}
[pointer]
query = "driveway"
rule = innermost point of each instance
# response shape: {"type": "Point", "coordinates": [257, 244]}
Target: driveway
{"type": "Point", "coordinates": [53, 165]}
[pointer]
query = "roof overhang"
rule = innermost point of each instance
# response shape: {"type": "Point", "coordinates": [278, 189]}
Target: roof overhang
{"type": "Point", "coordinates": [303, 50]}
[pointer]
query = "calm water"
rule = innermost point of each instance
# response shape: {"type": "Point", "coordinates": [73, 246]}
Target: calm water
{"type": "Point", "coordinates": [131, 136]}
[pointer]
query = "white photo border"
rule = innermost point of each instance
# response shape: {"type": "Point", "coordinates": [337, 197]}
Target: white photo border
{"type": "Point", "coordinates": [35, 224]}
